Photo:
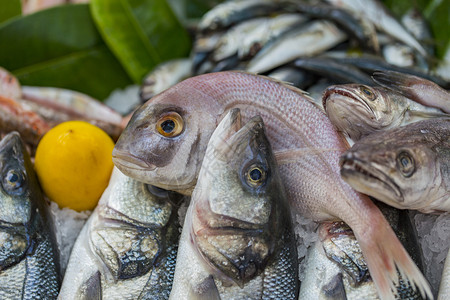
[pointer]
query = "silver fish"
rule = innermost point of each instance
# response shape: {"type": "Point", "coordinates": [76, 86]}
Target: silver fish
{"type": "Point", "coordinates": [237, 240]}
{"type": "Point", "coordinates": [127, 248]}
{"type": "Point", "coordinates": [399, 55]}
{"type": "Point", "coordinates": [319, 35]}
{"type": "Point", "coordinates": [336, 269]}
{"type": "Point", "coordinates": [359, 110]}
{"type": "Point", "coordinates": [165, 142]}
{"type": "Point", "coordinates": [414, 21]}
{"type": "Point", "coordinates": [416, 88]}
{"type": "Point", "coordinates": [375, 11]}
{"type": "Point", "coordinates": [28, 261]}
{"type": "Point", "coordinates": [404, 167]}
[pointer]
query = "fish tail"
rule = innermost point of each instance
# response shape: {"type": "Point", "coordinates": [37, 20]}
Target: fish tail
{"type": "Point", "coordinates": [387, 259]}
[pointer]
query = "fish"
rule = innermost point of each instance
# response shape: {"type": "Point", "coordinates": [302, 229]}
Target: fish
{"type": "Point", "coordinates": [416, 88]}
{"type": "Point", "coordinates": [29, 266]}
{"type": "Point", "coordinates": [165, 142]}
{"type": "Point", "coordinates": [9, 85]}
{"type": "Point", "coordinates": [444, 287]}
{"type": "Point", "coordinates": [405, 167]}
{"type": "Point", "coordinates": [377, 13]}
{"type": "Point", "coordinates": [164, 76]}
{"type": "Point", "coordinates": [360, 110]}
{"type": "Point", "coordinates": [237, 240]}
{"type": "Point", "coordinates": [399, 55]}
{"type": "Point", "coordinates": [336, 269]}
{"type": "Point", "coordinates": [319, 35]}
{"type": "Point", "coordinates": [294, 76]}
{"type": "Point", "coordinates": [127, 249]}
{"type": "Point", "coordinates": [414, 21]}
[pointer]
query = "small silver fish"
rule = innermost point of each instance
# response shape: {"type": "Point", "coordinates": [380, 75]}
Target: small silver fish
{"type": "Point", "coordinates": [405, 167]}
{"type": "Point", "coordinates": [359, 110]}
{"type": "Point", "coordinates": [237, 240]}
{"type": "Point", "coordinates": [127, 248]}
{"type": "Point", "coordinates": [29, 266]}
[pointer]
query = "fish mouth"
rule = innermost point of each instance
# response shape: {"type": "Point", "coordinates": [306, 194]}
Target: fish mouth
{"type": "Point", "coordinates": [367, 178]}
{"type": "Point", "coordinates": [123, 159]}
{"type": "Point", "coordinates": [346, 94]}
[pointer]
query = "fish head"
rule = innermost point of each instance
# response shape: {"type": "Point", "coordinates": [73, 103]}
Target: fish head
{"type": "Point", "coordinates": [235, 215]}
{"type": "Point", "coordinates": [16, 190]}
{"type": "Point", "coordinates": [165, 140]}
{"type": "Point", "coordinates": [358, 110]}
{"type": "Point", "coordinates": [402, 170]}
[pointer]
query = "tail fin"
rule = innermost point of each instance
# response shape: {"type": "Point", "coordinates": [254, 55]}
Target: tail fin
{"type": "Point", "coordinates": [385, 255]}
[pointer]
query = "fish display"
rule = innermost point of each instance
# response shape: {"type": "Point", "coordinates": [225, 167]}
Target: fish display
{"type": "Point", "coordinates": [359, 110]}
{"type": "Point", "coordinates": [28, 262]}
{"type": "Point", "coordinates": [127, 248]}
{"type": "Point", "coordinates": [237, 240]}
{"type": "Point", "coordinates": [165, 141]}
{"type": "Point", "coordinates": [404, 167]}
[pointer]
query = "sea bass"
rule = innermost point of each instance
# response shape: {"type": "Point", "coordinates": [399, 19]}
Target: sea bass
{"type": "Point", "coordinates": [165, 142]}
{"type": "Point", "coordinates": [336, 269]}
{"type": "Point", "coordinates": [416, 88]}
{"type": "Point", "coordinates": [28, 261]}
{"type": "Point", "coordinates": [127, 248]}
{"type": "Point", "coordinates": [406, 167]}
{"type": "Point", "coordinates": [237, 240]}
{"type": "Point", "coordinates": [359, 110]}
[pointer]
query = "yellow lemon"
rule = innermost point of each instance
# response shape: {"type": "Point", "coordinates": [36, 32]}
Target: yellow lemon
{"type": "Point", "coordinates": [73, 162]}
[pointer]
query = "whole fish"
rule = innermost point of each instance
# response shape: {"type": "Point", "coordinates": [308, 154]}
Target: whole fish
{"type": "Point", "coordinates": [418, 89]}
{"type": "Point", "coordinates": [359, 110]}
{"type": "Point", "coordinates": [28, 261]}
{"type": "Point", "coordinates": [336, 269]}
{"type": "Point", "coordinates": [237, 240]}
{"type": "Point", "coordinates": [377, 13]}
{"type": "Point", "coordinates": [319, 35]}
{"type": "Point", "coordinates": [127, 249]}
{"type": "Point", "coordinates": [444, 288]}
{"type": "Point", "coordinates": [404, 167]}
{"type": "Point", "coordinates": [165, 142]}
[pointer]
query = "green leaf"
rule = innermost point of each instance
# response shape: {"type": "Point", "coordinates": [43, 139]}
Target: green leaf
{"type": "Point", "coordinates": [60, 47]}
{"type": "Point", "coordinates": [141, 33]}
{"type": "Point", "coordinates": [9, 9]}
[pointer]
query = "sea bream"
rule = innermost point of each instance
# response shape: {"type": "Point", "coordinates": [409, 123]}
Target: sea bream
{"type": "Point", "coordinates": [238, 240]}
{"type": "Point", "coordinates": [165, 142]}
{"type": "Point", "coordinates": [127, 248]}
{"type": "Point", "coordinates": [359, 110]}
{"type": "Point", "coordinates": [406, 167]}
{"type": "Point", "coordinates": [29, 266]}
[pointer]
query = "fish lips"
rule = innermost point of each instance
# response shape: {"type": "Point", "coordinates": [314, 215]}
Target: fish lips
{"type": "Point", "coordinates": [367, 179]}
{"type": "Point", "coordinates": [125, 160]}
{"type": "Point", "coordinates": [335, 92]}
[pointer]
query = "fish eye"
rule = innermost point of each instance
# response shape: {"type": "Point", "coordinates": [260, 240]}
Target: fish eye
{"type": "Point", "coordinates": [156, 191]}
{"type": "Point", "coordinates": [368, 92]}
{"type": "Point", "coordinates": [405, 164]}
{"type": "Point", "coordinates": [170, 125]}
{"type": "Point", "coordinates": [13, 182]}
{"type": "Point", "coordinates": [255, 176]}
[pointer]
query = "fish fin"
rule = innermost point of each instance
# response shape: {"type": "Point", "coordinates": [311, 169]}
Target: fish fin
{"type": "Point", "coordinates": [206, 290]}
{"type": "Point", "coordinates": [398, 82]}
{"type": "Point", "coordinates": [335, 289]}
{"type": "Point", "coordinates": [91, 288]}
{"type": "Point", "coordinates": [385, 256]}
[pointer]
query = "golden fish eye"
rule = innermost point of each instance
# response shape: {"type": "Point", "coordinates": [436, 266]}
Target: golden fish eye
{"type": "Point", "coordinates": [170, 125]}
{"type": "Point", "coordinates": [256, 176]}
{"type": "Point", "coordinates": [405, 164]}
{"type": "Point", "coordinates": [368, 92]}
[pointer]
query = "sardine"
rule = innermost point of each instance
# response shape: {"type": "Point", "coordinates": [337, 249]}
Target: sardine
{"type": "Point", "coordinates": [165, 142]}
{"type": "Point", "coordinates": [127, 249]}
{"type": "Point", "coordinates": [377, 13]}
{"type": "Point", "coordinates": [237, 240]}
{"type": "Point", "coordinates": [418, 89]}
{"type": "Point", "coordinates": [336, 268]}
{"type": "Point", "coordinates": [404, 167]}
{"type": "Point", "coordinates": [319, 35]}
{"type": "Point", "coordinates": [28, 261]}
{"type": "Point", "coordinates": [359, 110]}
{"type": "Point", "coordinates": [444, 287]}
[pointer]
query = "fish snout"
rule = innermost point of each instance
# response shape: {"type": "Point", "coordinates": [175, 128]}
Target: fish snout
{"type": "Point", "coordinates": [126, 160]}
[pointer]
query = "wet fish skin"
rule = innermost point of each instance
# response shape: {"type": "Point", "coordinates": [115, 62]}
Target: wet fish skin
{"type": "Point", "coordinates": [416, 88]}
{"type": "Point", "coordinates": [360, 110]}
{"type": "Point", "coordinates": [404, 167]}
{"type": "Point", "coordinates": [237, 240]}
{"type": "Point", "coordinates": [128, 247]}
{"type": "Point", "coordinates": [28, 260]}
{"type": "Point", "coordinates": [306, 145]}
